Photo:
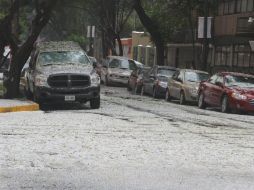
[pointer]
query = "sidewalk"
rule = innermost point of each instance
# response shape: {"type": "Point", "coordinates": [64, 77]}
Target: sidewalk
{"type": "Point", "coordinates": [17, 106]}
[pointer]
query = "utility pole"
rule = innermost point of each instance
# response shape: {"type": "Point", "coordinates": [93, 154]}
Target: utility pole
{"type": "Point", "coordinates": [205, 41]}
{"type": "Point", "coordinates": [91, 36]}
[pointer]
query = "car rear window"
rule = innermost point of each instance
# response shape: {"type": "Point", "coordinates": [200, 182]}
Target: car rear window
{"type": "Point", "coordinates": [166, 72]}
{"type": "Point", "coordinates": [195, 77]}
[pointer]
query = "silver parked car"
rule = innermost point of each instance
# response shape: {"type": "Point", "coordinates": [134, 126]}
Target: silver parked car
{"type": "Point", "coordinates": [184, 85]}
{"type": "Point", "coordinates": [117, 70]}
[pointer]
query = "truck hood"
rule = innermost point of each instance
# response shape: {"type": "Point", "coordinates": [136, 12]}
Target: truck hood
{"type": "Point", "coordinates": [69, 68]}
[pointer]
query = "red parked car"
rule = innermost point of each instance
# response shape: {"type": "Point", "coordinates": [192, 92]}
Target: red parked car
{"type": "Point", "coordinates": [229, 91]}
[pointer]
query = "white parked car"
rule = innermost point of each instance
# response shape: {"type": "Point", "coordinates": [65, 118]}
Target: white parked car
{"type": "Point", "coordinates": [117, 70]}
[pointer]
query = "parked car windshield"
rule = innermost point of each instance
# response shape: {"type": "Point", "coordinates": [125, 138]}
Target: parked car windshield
{"type": "Point", "coordinates": [144, 70]}
{"type": "Point", "coordinates": [195, 77]}
{"type": "Point", "coordinates": [166, 72]}
{"type": "Point", "coordinates": [63, 57]}
{"type": "Point", "coordinates": [121, 64]}
{"type": "Point", "coordinates": [241, 81]}
{"type": "Point", "coordinates": [163, 78]}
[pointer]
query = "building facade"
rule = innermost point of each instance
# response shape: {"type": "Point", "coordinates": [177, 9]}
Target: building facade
{"type": "Point", "coordinates": [233, 29]}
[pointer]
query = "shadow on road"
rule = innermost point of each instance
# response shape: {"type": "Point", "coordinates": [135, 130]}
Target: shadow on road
{"type": "Point", "coordinates": [65, 106]}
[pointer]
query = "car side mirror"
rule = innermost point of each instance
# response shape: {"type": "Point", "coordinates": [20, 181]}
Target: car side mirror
{"type": "Point", "coordinates": [94, 65]}
{"type": "Point", "coordinates": [180, 80]}
{"type": "Point", "coordinates": [219, 84]}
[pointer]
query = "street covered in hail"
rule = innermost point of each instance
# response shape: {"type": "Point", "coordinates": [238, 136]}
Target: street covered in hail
{"type": "Point", "coordinates": [127, 95]}
{"type": "Point", "coordinates": [132, 142]}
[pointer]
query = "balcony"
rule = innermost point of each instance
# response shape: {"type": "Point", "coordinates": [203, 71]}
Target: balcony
{"type": "Point", "coordinates": [232, 25]}
{"type": "Point", "coordinates": [243, 27]}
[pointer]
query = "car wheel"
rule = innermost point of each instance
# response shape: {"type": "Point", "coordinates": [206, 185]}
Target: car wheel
{"type": "Point", "coordinates": [167, 96]}
{"type": "Point", "coordinates": [28, 93]}
{"type": "Point", "coordinates": [95, 103]}
{"type": "Point", "coordinates": [182, 98]}
{"type": "Point", "coordinates": [136, 89]}
{"type": "Point", "coordinates": [201, 101]}
{"type": "Point", "coordinates": [155, 95]}
{"type": "Point", "coordinates": [236, 111]}
{"type": "Point", "coordinates": [106, 81]}
{"type": "Point", "coordinates": [142, 91]}
{"type": "Point", "coordinates": [36, 99]}
{"type": "Point", "coordinates": [225, 105]}
{"type": "Point", "coordinates": [128, 87]}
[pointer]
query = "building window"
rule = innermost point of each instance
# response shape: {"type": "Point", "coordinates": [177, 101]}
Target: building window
{"type": "Point", "coordinates": [231, 7]}
{"type": "Point", "coordinates": [226, 8]}
{"type": "Point", "coordinates": [250, 5]}
{"type": "Point", "coordinates": [235, 6]}
{"type": "Point", "coordinates": [222, 56]}
{"type": "Point", "coordinates": [243, 6]}
{"type": "Point", "coordinates": [238, 8]}
{"type": "Point", "coordinates": [220, 9]}
{"type": "Point", "coordinates": [243, 57]}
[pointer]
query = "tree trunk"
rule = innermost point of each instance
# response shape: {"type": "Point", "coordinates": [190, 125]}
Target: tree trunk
{"type": "Point", "coordinates": [193, 63]}
{"type": "Point", "coordinates": [22, 54]}
{"type": "Point", "coordinates": [153, 29]}
{"type": "Point", "coordinates": [120, 46]}
{"type": "Point", "coordinates": [105, 48]}
{"type": "Point", "coordinates": [160, 49]}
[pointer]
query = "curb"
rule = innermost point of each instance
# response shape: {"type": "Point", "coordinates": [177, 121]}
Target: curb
{"type": "Point", "coordinates": [31, 107]}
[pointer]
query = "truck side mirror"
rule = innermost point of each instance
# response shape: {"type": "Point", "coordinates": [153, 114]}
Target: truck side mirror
{"type": "Point", "coordinates": [94, 65]}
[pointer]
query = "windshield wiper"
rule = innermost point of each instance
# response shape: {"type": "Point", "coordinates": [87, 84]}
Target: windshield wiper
{"type": "Point", "coordinates": [233, 85]}
{"type": "Point", "coordinates": [192, 80]}
{"type": "Point", "coordinates": [49, 64]}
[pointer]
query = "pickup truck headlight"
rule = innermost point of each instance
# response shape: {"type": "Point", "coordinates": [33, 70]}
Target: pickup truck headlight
{"type": "Point", "coordinates": [41, 80]}
{"type": "Point", "coordinates": [95, 80]}
{"type": "Point", "coordinates": [239, 96]}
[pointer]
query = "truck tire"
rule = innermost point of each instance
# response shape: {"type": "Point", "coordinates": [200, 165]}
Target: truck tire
{"type": "Point", "coordinates": [28, 92]}
{"type": "Point", "coordinates": [95, 103]}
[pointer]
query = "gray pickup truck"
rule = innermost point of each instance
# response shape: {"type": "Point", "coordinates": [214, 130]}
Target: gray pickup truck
{"type": "Point", "coordinates": [62, 72]}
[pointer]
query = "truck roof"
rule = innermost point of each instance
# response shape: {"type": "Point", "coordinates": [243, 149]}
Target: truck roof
{"type": "Point", "coordinates": [58, 46]}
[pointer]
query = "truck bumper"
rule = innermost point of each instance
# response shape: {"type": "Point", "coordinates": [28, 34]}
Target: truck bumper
{"type": "Point", "coordinates": [55, 95]}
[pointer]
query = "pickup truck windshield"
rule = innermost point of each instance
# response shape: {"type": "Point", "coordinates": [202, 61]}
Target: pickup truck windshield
{"type": "Point", "coordinates": [63, 57]}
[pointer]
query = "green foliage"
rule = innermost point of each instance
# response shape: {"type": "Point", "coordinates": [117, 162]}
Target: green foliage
{"type": "Point", "coordinates": [4, 7]}
{"type": "Point", "coordinates": [175, 16]}
{"type": "Point", "coordinates": [78, 38]}
{"type": "Point", "coordinates": [166, 16]}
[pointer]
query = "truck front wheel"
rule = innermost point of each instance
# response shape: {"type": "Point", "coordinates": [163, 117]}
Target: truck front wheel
{"type": "Point", "coordinates": [95, 103]}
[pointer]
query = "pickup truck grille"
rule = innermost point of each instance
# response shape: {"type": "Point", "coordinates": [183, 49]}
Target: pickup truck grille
{"type": "Point", "coordinates": [68, 81]}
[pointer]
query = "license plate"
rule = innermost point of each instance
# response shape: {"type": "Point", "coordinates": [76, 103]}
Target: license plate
{"type": "Point", "coordinates": [69, 98]}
